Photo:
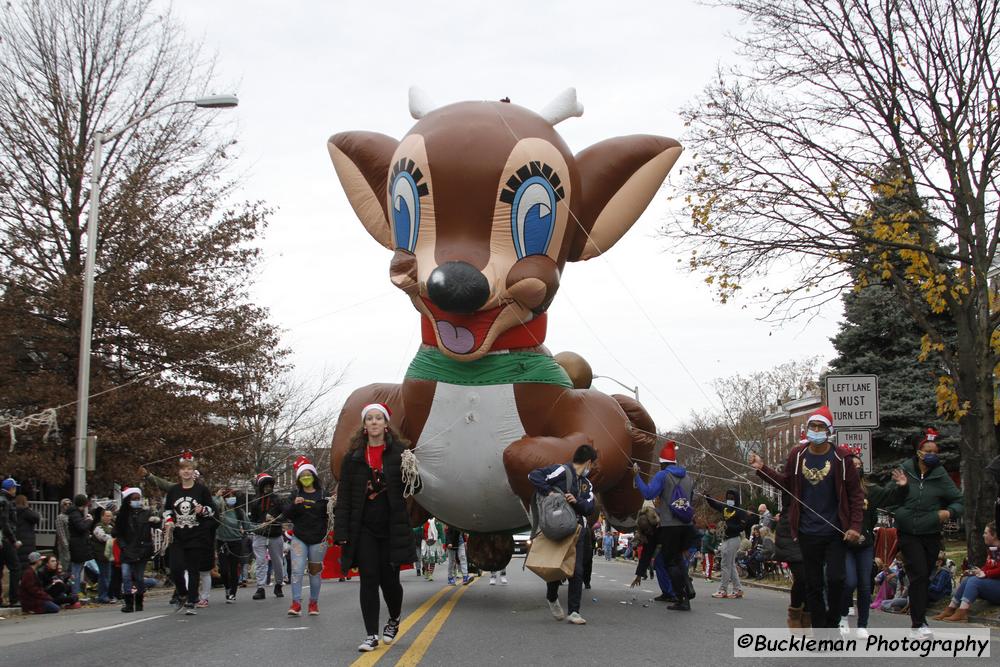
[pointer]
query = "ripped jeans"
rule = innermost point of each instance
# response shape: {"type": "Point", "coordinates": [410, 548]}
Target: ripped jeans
{"type": "Point", "coordinates": [302, 554]}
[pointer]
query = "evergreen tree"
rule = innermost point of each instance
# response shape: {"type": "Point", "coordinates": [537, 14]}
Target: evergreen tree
{"type": "Point", "coordinates": [879, 337]}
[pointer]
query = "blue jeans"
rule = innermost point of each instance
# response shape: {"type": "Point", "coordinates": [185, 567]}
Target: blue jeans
{"type": "Point", "coordinates": [103, 580]}
{"type": "Point", "coordinates": [972, 588]}
{"type": "Point", "coordinates": [301, 554]}
{"type": "Point", "coordinates": [76, 569]}
{"type": "Point", "coordinates": [609, 548]}
{"type": "Point", "coordinates": [49, 607]}
{"type": "Point", "coordinates": [133, 574]}
{"type": "Point", "coordinates": [858, 576]}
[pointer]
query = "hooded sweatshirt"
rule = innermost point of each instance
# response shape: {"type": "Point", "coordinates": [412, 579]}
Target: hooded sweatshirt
{"type": "Point", "coordinates": [736, 518]}
{"type": "Point", "coordinates": [662, 486]}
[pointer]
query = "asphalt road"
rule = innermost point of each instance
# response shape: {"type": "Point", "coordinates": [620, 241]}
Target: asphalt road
{"type": "Point", "coordinates": [472, 625]}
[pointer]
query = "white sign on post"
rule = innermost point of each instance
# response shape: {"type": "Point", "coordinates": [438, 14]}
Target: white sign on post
{"type": "Point", "coordinates": [853, 400]}
{"type": "Point", "coordinates": [854, 439]}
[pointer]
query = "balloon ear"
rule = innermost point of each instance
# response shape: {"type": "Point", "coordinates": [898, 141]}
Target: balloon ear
{"type": "Point", "coordinates": [618, 178]}
{"type": "Point", "coordinates": [362, 163]}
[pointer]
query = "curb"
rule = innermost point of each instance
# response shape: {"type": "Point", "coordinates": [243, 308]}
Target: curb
{"type": "Point", "coordinates": [982, 620]}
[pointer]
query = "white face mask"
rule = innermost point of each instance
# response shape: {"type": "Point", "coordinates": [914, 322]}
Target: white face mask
{"type": "Point", "coordinates": [136, 504]}
{"type": "Point", "coordinates": [231, 502]}
{"type": "Point", "coordinates": [731, 503]}
{"type": "Point", "coordinates": [816, 437]}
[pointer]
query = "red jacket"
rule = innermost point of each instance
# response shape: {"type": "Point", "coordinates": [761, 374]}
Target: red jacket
{"type": "Point", "coordinates": [991, 569]}
{"type": "Point", "coordinates": [850, 497]}
{"type": "Point", "coordinates": [31, 593]}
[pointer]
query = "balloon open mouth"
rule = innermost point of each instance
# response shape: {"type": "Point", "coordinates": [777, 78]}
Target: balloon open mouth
{"type": "Point", "coordinates": [460, 333]}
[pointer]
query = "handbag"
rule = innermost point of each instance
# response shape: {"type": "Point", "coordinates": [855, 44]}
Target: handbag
{"type": "Point", "coordinates": [553, 560]}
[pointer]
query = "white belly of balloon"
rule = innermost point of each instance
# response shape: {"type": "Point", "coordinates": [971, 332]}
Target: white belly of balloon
{"type": "Point", "coordinates": [460, 458]}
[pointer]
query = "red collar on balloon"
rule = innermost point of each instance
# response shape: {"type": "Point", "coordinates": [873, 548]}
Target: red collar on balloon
{"type": "Point", "coordinates": [530, 334]}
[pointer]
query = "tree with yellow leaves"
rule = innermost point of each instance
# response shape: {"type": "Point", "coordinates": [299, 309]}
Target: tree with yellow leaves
{"type": "Point", "coordinates": [790, 166]}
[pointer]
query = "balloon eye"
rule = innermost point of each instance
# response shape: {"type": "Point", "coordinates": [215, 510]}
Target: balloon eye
{"type": "Point", "coordinates": [532, 216]}
{"type": "Point", "coordinates": [404, 199]}
{"type": "Point", "coordinates": [405, 211]}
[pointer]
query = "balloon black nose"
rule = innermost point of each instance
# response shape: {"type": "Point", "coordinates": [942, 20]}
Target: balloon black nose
{"type": "Point", "coordinates": [458, 287]}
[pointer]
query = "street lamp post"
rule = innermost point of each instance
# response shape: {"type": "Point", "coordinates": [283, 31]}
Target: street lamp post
{"type": "Point", "coordinates": [87, 318]}
{"type": "Point", "coordinates": [634, 390]}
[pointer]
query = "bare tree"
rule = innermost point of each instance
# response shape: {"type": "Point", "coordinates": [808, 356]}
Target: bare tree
{"type": "Point", "coordinates": [746, 398]}
{"type": "Point", "coordinates": [293, 416]}
{"type": "Point", "coordinates": [847, 104]}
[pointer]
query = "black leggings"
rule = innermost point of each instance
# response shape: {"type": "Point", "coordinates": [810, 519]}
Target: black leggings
{"type": "Point", "coordinates": [372, 556]}
{"type": "Point", "coordinates": [920, 552]}
{"type": "Point", "coordinates": [230, 556]}
{"type": "Point", "coordinates": [798, 585]}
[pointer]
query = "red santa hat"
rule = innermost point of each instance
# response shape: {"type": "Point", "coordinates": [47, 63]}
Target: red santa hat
{"type": "Point", "coordinates": [803, 440]}
{"type": "Point", "coordinates": [930, 435]}
{"type": "Point", "coordinates": [301, 465]}
{"type": "Point", "coordinates": [381, 407]}
{"type": "Point", "coordinates": [669, 452]}
{"type": "Point", "coordinates": [263, 477]}
{"type": "Point", "coordinates": [822, 415]}
{"type": "Point", "coordinates": [187, 457]}
{"type": "Point", "coordinates": [130, 491]}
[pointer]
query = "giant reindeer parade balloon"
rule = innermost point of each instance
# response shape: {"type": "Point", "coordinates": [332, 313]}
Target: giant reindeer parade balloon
{"type": "Point", "coordinates": [482, 204]}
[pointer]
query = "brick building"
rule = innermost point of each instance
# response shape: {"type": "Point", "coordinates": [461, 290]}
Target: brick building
{"type": "Point", "coordinates": [784, 423]}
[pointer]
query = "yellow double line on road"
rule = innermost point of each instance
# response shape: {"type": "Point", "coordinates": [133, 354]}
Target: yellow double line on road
{"type": "Point", "coordinates": [415, 653]}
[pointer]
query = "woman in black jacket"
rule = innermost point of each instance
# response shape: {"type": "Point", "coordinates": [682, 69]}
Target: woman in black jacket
{"type": "Point", "coordinates": [134, 532]}
{"type": "Point", "coordinates": [307, 512]}
{"type": "Point", "coordinates": [371, 521]}
{"type": "Point", "coordinates": [27, 522]}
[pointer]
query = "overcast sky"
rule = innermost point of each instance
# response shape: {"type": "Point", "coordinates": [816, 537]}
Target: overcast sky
{"type": "Point", "coordinates": [305, 70]}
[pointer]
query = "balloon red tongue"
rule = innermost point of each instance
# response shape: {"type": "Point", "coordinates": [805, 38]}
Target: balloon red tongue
{"type": "Point", "coordinates": [457, 339]}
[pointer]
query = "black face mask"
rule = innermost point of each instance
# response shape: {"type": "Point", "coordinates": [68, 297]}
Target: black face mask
{"type": "Point", "coordinates": [931, 460]}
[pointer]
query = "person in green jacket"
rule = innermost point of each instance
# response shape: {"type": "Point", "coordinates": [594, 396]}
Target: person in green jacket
{"type": "Point", "coordinates": [933, 499]}
{"type": "Point", "coordinates": [233, 525]}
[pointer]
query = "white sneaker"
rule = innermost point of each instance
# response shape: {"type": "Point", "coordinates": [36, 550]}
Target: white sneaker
{"type": "Point", "coordinates": [576, 619]}
{"type": "Point", "coordinates": [369, 644]}
{"type": "Point", "coordinates": [923, 632]}
{"type": "Point", "coordinates": [493, 580]}
{"type": "Point", "coordinates": [853, 611]}
{"type": "Point", "coordinates": [862, 633]}
{"type": "Point", "coordinates": [556, 609]}
{"type": "Point", "coordinates": [503, 580]}
{"type": "Point", "coordinates": [844, 627]}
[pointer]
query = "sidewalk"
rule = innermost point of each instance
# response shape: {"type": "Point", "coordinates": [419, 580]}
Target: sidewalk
{"type": "Point", "coordinates": [152, 593]}
{"type": "Point", "coordinates": [983, 613]}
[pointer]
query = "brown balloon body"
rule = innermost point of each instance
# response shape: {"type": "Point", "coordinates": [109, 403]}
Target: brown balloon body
{"type": "Point", "coordinates": [482, 204]}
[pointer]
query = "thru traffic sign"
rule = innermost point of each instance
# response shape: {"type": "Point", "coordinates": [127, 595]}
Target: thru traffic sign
{"type": "Point", "coordinates": [858, 439]}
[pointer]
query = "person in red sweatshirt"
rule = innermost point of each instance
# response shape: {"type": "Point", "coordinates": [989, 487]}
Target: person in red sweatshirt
{"type": "Point", "coordinates": [33, 598]}
{"type": "Point", "coordinates": [826, 514]}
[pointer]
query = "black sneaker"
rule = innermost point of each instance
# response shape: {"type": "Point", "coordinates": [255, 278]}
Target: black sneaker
{"type": "Point", "coordinates": [260, 594]}
{"type": "Point", "coordinates": [369, 644]}
{"type": "Point", "coordinates": [189, 610]}
{"type": "Point", "coordinates": [277, 592]}
{"type": "Point", "coordinates": [230, 598]}
{"type": "Point", "coordinates": [665, 598]}
{"type": "Point", "coordinates": [390, 630]}
{"type": "Point", "coordinates": [680, 605]}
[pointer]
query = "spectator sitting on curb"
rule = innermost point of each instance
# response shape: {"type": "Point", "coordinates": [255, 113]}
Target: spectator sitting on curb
{"type": "Point", "coordinates": [55, 584]}
{"type": "Point", "coordinates": [34, 599]}
{"type": "Point", "coordinates": [981, 582]}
